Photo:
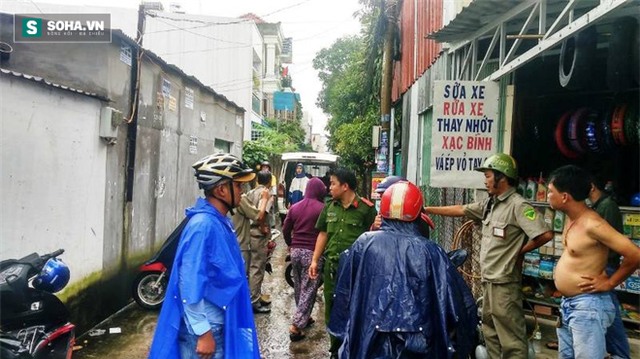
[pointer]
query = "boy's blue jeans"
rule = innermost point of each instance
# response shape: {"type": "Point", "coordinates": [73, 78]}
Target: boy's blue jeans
{"type": "Point", "coordinates": [585, 319]}
{"type": "Point", "coordinates": [188, 343]}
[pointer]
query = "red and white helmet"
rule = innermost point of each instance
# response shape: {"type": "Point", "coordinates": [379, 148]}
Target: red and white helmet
{"type": "Point", "coordinates": [402, 201]}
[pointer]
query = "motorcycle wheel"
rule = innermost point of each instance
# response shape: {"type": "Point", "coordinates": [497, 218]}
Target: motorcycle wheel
{"type": "Point", "coordinates": [144, 292]}
{"type": "Point", "coordinates": [288, 276]}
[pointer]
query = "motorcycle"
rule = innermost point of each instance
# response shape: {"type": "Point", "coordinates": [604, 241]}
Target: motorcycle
{"type": "Point", "coordinates": [288, 272]}
{"type": "Point", "coordinates": [150, 285]}
{"type": "Point", "coordinates": [426, 225]}
{"type": "Point", "coordinates": [271, 247]}
{"type": "Point", "coordinates": [457, 257]}
{"type": "Point", "coordinates": [481, 349]}
{"type": "Point", "coordinates": [34, 323]}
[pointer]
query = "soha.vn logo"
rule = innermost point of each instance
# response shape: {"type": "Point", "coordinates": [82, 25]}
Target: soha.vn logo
{"type": "Point", "coordinates": [31, 27]}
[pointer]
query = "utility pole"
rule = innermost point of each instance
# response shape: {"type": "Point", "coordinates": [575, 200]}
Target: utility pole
{"type": "Point", "coordinates": [132, 129]}
{"type": "Point", "coordinates": [385, 90]}
{"type": "Point", "coordinates": [132, 135]}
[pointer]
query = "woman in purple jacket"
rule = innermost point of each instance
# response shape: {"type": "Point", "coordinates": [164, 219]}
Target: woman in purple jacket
{"type": "Point", "coordinates": [300, 234]}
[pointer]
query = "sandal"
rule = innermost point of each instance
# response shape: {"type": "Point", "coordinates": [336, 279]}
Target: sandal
{"type": "Point", "coordinates": [295, 337]}
{"type": "Point", "coordinates": [310, 322]}
{"type": "Point", "coordinates": [552, 345]}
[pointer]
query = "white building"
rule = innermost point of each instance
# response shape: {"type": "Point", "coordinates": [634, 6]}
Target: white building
{"type": "Point", "coordinates": [307, 124]}
{"type": "Point", "coordinates": [224, 53]}
{"type": "Point", "coordinates": [273, 39]}
{"type": "Point", "coordinates": [319, 142]}
{"type": "Point", "coordinates": [240, 58]}
{"type": "Point", "coordinates": [230, 55]}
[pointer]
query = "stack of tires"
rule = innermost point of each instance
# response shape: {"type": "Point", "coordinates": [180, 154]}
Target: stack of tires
{"type": "Point", "coordinates": [586, 130]}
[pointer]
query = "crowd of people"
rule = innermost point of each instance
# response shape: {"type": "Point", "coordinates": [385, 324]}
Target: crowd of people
{"type": "Point", "coordinates": [389, 291]}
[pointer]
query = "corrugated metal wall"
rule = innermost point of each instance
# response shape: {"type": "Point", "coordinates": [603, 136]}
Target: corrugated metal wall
{"type": "Point", "coordinates": [418, 18]}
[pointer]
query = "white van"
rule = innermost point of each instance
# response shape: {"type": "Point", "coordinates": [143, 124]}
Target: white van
{"type": "Point", "coordinates": [315, 164]}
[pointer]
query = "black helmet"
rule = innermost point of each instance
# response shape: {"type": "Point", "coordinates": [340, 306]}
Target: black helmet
{"type": "Point", "coordinates": [213, 169]}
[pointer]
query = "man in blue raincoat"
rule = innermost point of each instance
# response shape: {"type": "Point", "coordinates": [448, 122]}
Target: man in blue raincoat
{"type": "Point", "coordinates": [398, 295]}
{"type": "Point", "coordinates": [207, 311]}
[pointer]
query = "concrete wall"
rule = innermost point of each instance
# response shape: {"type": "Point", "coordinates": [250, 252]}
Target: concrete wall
{"type": "Point", "coordinates": [63, 186]}
{"type": "Point", "coordinates": [94, 68]}
{"type": "Point", "coordinates": [221, 56]}
{"type": "Point", "coordinates": [53, 174]}
{"type": "Point", "coordinates": [170, 139]}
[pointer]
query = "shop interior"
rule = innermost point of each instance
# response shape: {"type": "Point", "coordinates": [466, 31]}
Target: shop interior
{"type": "Point", "coordinates": [579, 104]}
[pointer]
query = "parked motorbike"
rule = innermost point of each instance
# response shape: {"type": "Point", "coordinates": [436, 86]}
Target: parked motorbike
{"type": "Point", "coordinates": [150, 285]}
{"type": "Point", "coordinates": [288, 272]}
{"type": "Point", "coordinates": [481, 349]}
{"type": "Point", "coordinates": [271, 247]}
{"type": "Point", "coordinates": [457, 257]}
{"type": "Point", "coordinates": [34, 323]}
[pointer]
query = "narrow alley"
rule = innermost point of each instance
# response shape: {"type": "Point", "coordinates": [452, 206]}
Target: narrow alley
{"type": "Point", "coordinates": [128, 333]}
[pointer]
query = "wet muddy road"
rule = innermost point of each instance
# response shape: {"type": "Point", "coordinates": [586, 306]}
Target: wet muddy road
{"type": "Point", "coordinates": [137, 326]}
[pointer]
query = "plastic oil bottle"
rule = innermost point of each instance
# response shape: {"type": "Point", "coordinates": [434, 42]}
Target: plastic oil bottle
{"type": "Point", "coordinates": [532, 188]}
{"type": "Point", "coordinates": [541, 193]}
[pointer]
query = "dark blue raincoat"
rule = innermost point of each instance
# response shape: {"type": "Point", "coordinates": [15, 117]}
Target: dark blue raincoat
{"type": "Point", "coordinates": [398, 296]}
{"type": "Point", "coordinates": [218, 277]}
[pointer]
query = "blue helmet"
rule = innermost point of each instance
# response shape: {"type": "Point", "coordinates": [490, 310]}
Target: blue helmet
{"type": "Point", "coordinates": [53, 277]}
{"type": "Point", "coordinates": [635, 200]}
{"type": "Point", "coordinates": [387, 182]}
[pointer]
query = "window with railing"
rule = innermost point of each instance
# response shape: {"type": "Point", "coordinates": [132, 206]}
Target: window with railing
{"type": "Point", "coordinates": [256, 133]}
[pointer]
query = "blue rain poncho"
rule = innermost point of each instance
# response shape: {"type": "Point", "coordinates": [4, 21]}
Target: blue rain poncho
{"type": "Point", "coordinates": [218, 277]}
{"type": "Point", "coordinates": [398, 295]}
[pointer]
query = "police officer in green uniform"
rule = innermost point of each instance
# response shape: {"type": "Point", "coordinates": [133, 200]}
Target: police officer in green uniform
{"type": "Point", "coordinates": [507, 220]}
{"type": "Point", "coordinates": [344, 218]}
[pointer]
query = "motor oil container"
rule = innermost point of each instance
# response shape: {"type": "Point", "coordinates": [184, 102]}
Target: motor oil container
{"type": "Point", "coordinates": [558, 222]}
{"type": "Point", "coordinates": [531, 190]}
{"type": "Point", "coordinates": [541, 193]}
{"type": "Point", "coordinates": [522, 187]}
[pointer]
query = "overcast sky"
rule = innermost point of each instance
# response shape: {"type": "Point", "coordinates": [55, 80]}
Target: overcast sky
{"type": "Point", "coordinates": [313, 25]}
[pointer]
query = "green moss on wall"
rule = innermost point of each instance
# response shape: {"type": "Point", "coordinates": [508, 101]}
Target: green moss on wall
{"type": "Point", "coordinates": [78, 286]}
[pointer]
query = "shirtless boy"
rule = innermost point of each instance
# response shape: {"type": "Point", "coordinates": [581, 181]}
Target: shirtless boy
{"type": "Point", "coordinates": [587, 310]}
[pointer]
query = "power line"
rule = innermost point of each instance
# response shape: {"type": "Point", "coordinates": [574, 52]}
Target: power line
{"type": "Point", "coordinates": [204, 23]}
{"type": "Point", "coordinates": [232, 83]}
{"type": "Point", "coordinates": [204, 50]}
{"type": "Point", "coordinates": [235, 47]}
{"type": "Point", "coordinates": [202, 35]}
{"type": "Point", "coordinates": [216, 23]}
{"type": "Point", "coordinates": [286, 8]}
{"type": "Point", "coordinates": [320, 33]}
{"type": "Point", "coordinates": [36, 5]}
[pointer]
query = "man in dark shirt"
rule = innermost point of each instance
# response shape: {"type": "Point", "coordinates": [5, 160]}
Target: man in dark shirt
{"type": "Point", "coordinates": [607, 208]}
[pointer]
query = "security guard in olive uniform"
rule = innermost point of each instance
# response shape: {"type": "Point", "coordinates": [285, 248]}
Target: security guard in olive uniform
{"type": "Point", "coordinates": [507, 220]}
{"type": "Point", "coordinates": [344, 218]}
